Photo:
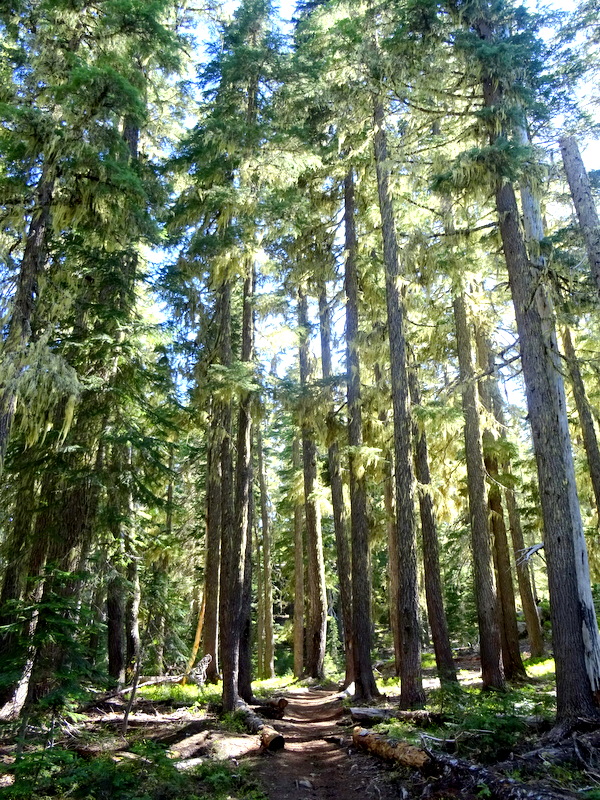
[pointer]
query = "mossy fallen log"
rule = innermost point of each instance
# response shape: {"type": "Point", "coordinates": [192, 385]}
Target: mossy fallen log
{"type": "Point", "coordinates": [448, 770]}
{"type": "Point", "coordinates": [392, 750]}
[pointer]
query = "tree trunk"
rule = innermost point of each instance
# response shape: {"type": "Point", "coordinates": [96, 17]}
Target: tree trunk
{"type": "Point", "coordinates": [337, 494]}
{"type": "Point", "coordinates": [298, 572]}
{"type": "Point", "coordinates": [485, 591]}
{"type": "Point", "coordinates": [364, 679]}
{"type": "Point", "coordinates": [245, 672]}
{"type": "Point", "coordinates": [581, 192]}
{"type": "Point", "coordinates": [410, 675]}
{"type": "Point", "coordinates": [134, 644]}
{"type": "Point", "coordinates": [269, 653]}
{"type": "Point", "coordinates": [575, 638]}
{"type": "Point", "coordinates": [507, 611]}
{"type": "Point", "coordinates": [509, 632]}
{"type": "Point", "coordinates": [115, 626]}
{"type": "Point", "coordinates": [213, 543]}
{"type": "Point", "coordinates": [431, 550]}
{"type": "Point", "coordinates": [534, 629]}
{"type": "Point", "coordinates": [574, 627]}
{"type": "Point", "coordinates": [38, 558]}
{"type": "Point", "coordinates": [260, 608]}
{"type": "Point", "coordinates": [586, 420]}
{"type": "Point", "coordinates": [234, 547]}
{"type": "Point", "coordinates": [230, 552]}
{"type": "Point", "coordinates": [317, 617]}
{"type": "Point", "coordinates": [526, 590]}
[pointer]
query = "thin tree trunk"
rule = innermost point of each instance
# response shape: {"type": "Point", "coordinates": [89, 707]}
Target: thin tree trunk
{"type": "Point", "coordinates": [298, 571]}
{"type": "Point", "coordinates": [269, 652]}
{"type": "Point", "coordinates": [245, 671]}
{"type": "Point", "coordinates": [260, 607]}
{"type": "Point", "coordinates": [337, 493]}
{"type": "Point", "coordinates": [485, 590]}
{"type": "Point", "coordinates": [507, 611]}
{"type": "Point", "coordinates": [317, 617]}
{"type": "Point", "coordinates": [364, 679]}
{"type": "Point", "coordinates": [581, 192]}
{"type": "Point", "coordinates": [586, 420]}
{"type": "Point", "coordinates": [511, 653]}
{"type": "Point", "coordinates": [431, 550]}
{"type": "Point", "coordinates": [213, 543]}
{"type": "Point", "coordinates": [411, 692]}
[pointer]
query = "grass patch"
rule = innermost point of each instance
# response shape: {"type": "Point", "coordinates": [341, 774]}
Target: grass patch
{"type": "Point", "coordinates": [189, 695]}
{"type": "Point", "coordinates": [540, 667]}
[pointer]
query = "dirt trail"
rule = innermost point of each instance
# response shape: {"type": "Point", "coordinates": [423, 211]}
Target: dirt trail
{"type": "Point", "coordinates": [318, 761]}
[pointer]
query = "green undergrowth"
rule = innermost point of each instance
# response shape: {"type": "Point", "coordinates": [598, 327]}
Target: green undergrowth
{"type": "Point", "coordinates": [484, 727]}
{"type": "Point", "coordinates": [147, 775]}
{"type": "Point", "coordinates": [189, 695]}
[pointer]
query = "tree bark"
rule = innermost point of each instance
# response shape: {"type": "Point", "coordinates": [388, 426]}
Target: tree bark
{"type": "Point", "coordinates": [431, 550]}
{"type": "Point", "coordinates": [245, 671]}
{"type": "Point", "coordinates": [507, 610]}
{"type": "Point", "coordinates": [574, 627]}
{"type": "Point", "coordinates": [269, 653]}
{"type": "Point", "coordinates": [581, 192]}
{"type": "Point", "coordinates": [231, 552]}
{"type": "Point", "coordinates": [213, 543]}
{"type": "Point", "coordinates": [485, 590]}
{"type": "Point", "coordinates": [298, 571]}
{"type": "Point", "coordinates": [337, 494]}
{"type": "Point", "coordinates": [575, 637]}
{"type": "Point", "coordinates": [586, 420]}
{"type": "Point", "coordinates": [316, 628]}
{"type": "Point", "coordinates": [411, 692]}
{"type": "Point", "coordinates": [234, 547]}
{"type": "Point", "coordinates": [364, 679]}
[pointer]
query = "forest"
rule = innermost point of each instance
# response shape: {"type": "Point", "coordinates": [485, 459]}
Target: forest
{"type": "Point", "coordinates": [299, 383]}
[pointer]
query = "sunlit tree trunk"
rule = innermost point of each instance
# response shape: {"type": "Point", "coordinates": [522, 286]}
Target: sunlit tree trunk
{"type": "Point", "coordinates": [575, 637]}
{"type": "Point", "coordinates": [364, 679]}
{"type": "Point", "coordinates": [337, 493]}
{"type": "Point", "coordinates": [583, 200]}
{"type": "Point", "coordinates": [298, 570]}
{"type": "Point", "coordinates": [316, 627]}
{"type": "Point", "coordinates": [431, 550]}
{"type": "Point", "coordinates": [234, 546]}
{"type": "Point", "coordinates": [507, 611]}
{"type": "Point", "coordinates": [245, 671]}
{"type": "Point", "coordinates": [485, 590]}
{"type": "Point", "coordinates": [586, 419]}
{"type": "Point", "coordinates": [267, 587]}
{"type": "Point", "coordinates": [411, 692]}
{"type": "Point", "coordinates": [213, 542]}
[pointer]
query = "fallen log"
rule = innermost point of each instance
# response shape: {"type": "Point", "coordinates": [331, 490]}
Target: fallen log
{"type": "Point", "coordinates": [406, 754]}
{"type": "Point", "coordinates": [270, 708]}
{"type": "Point", "coordinates": [500, 787]}
{"type": "Point", "coordinates": [466, 776]}
{"type": "Point", "coordinates": [374, 716]}
{"type": "Point", "coordinates": [270, 739]}
{"type": "Point", "coordinates": [191, 746]}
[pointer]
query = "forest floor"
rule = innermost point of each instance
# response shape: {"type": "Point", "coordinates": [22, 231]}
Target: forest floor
{"type": "Point", "coordinates": [177, 746]}
{"type": "Point", "coordinates": [319, 761]}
